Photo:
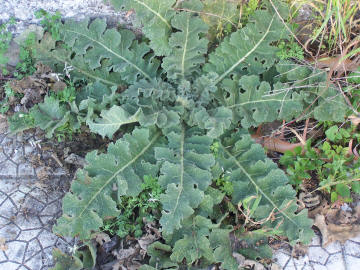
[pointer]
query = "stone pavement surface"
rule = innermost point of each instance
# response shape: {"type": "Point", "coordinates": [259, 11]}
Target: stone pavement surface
{"type": "Point", "coordinates": [30, 204]}
{"type": "Point", "coordinates": [333, 257]}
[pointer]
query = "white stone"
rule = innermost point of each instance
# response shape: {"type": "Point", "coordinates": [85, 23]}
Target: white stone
{"type": "Point", "coordinates": [2, 256]}
{"type": "Point", "coordinates": [319, 267]}
{"type": "Point", "coordinates": [8, 209]}
{"type": "Point", "coordinates": [9, 266]}
{"type": "Point", "coordinates": [315, 241]}
{"type": "Point", "coordinates": [281, 258]}
{"type": "Point", "coordinates": [35, 262]}
{"type": "Point", "coordinates": [333, 247]}
{"type": "Point", "coordinates": [353, 249]}
{"type": "Point", "coordinates": [51, 209]}
{"type": "Point", "coordinates": [2, 196]}
{"type": "Point", "coordinates": [299, 263]}
{"type": "Point", "coordinates": [8, 185]}
{"type": "Point", "coordinates": [318, 254]}
{"type": "Point", "coordinates": [9, 232]}
{"type": "Point", "coordinates": [3, 221]}
{"type": "Point", "coordinates": [336, 261]}
{"type": "Point", "coordinates": [8, 168]}
{"type": "Point", "coordinates": [18, 197]}
{"type": "Point", "coordinates": [2, 157]}
{"type": "Point", "coordinates": [22, 13]}
{"type": "Point", "coordinates": [352, 263]}
{"type": "Point", "coordinates": [27, 235]}
{"type": "Point", "coordinates": [32, 249]}
{"type": "Point", "coordinates": [290, 266]}
{"type": "Point", "coordinates": [47, 239]}
{"type": "Point", "coordinates": [26, 170]}
{"type": "Point", "coordinates": [28, 222]}
{"type": "Point", "coordinates": [16, 251]}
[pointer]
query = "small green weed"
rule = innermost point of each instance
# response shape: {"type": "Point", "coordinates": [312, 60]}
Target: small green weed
{"type": "Point", "coordinates": [336, 172]}
{"type": "Point", "coordinates": [4, 102]}
{"type": "Point", "coordinates": [67, 95]}
{"type": "Point", "coordinates": [26, 65]}
{"type": "Point", "coordinates": [225, 185]}
{"type": "Point", "coordinates": [290, 50]}
{"type": "Point", "coordinates": [50, 22]}
{"type": "Point", "coordinates": [134, 210]}
{"type": "Point", "coordinates": [9, 93]}
{"type": "Point", "coordinates": [5, 39]}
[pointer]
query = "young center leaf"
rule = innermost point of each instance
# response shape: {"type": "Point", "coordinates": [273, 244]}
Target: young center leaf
{"type": "Point", "coordinates": [185, 174]}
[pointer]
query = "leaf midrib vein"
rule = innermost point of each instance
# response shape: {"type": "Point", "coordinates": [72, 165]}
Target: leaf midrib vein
{"type": "Point", "coordinates": [185, 48]}
{"type": "Point", "coordinates": [156, 136]}
{"type": "Point", "coordinates": [257, 187]}
{"type": "Point", "coordinates": [156, 13]}
{"type": "Point", "coordinates": [247, 54]}
{"type": "Point", "coordinates": [111, 51]}
{"type": "Point", "coordinates": [181, 184]}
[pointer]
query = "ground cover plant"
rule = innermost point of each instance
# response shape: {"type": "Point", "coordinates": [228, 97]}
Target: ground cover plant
{"type": "Point", "coordinates": [180, 107]}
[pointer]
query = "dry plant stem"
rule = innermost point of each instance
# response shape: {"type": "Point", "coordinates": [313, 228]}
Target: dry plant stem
{"type": "Point", "coordinates": [305, 129]}
{"type": "Point", "coordinates": [328, 80]}
{"type": "Point", "coordinates": [287, 28]}
{"type": "Point", "coordinates": [346, 99]}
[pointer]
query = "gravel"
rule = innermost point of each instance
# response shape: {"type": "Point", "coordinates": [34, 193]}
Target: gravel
{"type": "Point", "coordinates": [23, 11]}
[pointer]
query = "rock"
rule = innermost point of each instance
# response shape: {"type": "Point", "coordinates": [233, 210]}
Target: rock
{"type": "Point", "coordinates": [33, 28]}
{"type": "Point", "coordinates": [13, 54]}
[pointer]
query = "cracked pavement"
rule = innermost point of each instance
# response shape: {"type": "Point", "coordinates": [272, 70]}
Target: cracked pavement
{"type": "Point", "coordinates": [29, 207]}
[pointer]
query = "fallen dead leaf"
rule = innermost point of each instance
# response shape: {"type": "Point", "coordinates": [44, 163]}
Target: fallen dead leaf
{"type": "Point", "coordinates": [243, 263]}
{"type": "Point", "coordinates": [331, 232]}
{"type": "Point", "coordinates": [299, 250]}
{"type": "Point", "coordinates": [146, 240]}
{"type": "Point", "coordinates": [122, 254]}
{"type": "Point", "coordinates": [3, 245]}
{"type": "Point", "coordinates": [102, 238]}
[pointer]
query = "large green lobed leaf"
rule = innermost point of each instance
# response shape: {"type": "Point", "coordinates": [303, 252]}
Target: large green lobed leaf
{"type": "Point", "coordinates": [154, 16]}
{"type": "Point", "coordinates": [185, 174]}
{"type": "Point", "coordinates": [188, 48]}
{"type": "Point", "coordinates": [253, 174]}
{"type": "Point", "coordinates": [97, 44]}
{"type": "Point", "coordinates": [253, 102]}
{"type": "Point", "coordinates": [250, 50]}
{"type": "Point", "coordinates": [107, 176]}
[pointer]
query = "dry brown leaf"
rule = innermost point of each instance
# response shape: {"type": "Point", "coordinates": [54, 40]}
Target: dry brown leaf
{"type": "Point", "coordinates": [3, 245]}
{"type": "Point", "coordinates": [355, 120]}
{"type": "Point", "coordinates": [146, 240]}
{"type": "Point", "coordinates": [102, 238]}
{"type": "Point", "coordinates": [123, 254]}
{"type": "Point", "coordinates": [335, 64]}
{"type": "Point", "coordinates": [331, 232]}
{"type": "Point", "coordinates": [299, 250]}
{"type": "Point", "coordinates": [58, 86]}
{"type": "Point", "coordinates": [275, 144]}
{"type": "Point", "coordinates": [243, 263]}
